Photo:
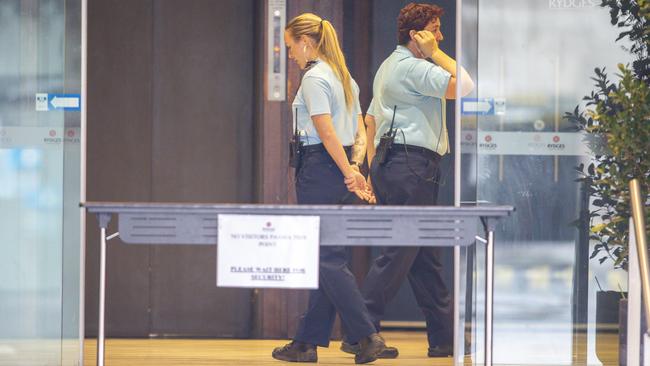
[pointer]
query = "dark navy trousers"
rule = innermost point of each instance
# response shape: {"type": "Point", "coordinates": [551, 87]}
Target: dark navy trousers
{"type": "Point", "coordinates": [319, 181]}
{"type": "Point", "coordinates": [397, 183]}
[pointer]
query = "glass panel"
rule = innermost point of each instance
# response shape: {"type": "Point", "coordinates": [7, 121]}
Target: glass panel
{"type": "Point", "coordinates": [39, 185]}
{"type": "Point", "coordinates": [534, 62]}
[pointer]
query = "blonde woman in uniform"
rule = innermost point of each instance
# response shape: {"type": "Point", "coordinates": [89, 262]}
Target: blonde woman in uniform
{"type": "Point", "coordinates": [328, 118]}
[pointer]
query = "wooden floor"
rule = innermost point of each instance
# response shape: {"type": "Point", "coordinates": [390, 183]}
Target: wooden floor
{"type": "Point", "coordinates": [230, 352]}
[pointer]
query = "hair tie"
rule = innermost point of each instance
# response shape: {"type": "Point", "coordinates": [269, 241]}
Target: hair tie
{"type": "Point", "coordinates": [321, 23]}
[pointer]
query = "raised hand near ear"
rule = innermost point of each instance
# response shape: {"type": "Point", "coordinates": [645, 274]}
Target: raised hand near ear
{"type": "Point", "coordinates": [426, 42]}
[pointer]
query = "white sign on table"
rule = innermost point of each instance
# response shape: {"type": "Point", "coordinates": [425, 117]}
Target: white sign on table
{"type": "Point", "coordinates": [268, 251]}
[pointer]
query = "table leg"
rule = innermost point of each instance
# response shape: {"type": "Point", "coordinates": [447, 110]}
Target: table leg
{"type": "Point", "coordinates": [456, 308]}
{"type": "Point", "coordinates": [102, 292]}
{"type": "Point", "coordinates": [489, 292]}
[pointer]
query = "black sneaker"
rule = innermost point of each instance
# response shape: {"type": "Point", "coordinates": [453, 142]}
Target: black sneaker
{"type": "Point", "coordinates": [369, 348]}
{"type": "Point", "coordinates": [353, 348]}
{"type": "Point", "coordinates": [441, 351]}
{"type": "Point", "coordinates": [296, 352]}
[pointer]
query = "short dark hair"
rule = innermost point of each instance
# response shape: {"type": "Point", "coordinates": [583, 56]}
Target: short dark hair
{"type": "Point", "coordinates": [415, 17]}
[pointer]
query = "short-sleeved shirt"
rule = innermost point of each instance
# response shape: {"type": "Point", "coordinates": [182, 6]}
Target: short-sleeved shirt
{"type": "Point", "coordinates": [417, 87]}
{"type": "Point", "coordinates": [321, 92]}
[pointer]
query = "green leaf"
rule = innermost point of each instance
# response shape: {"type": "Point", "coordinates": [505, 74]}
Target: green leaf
{"type": "Point", "coordinates": [598, 228]}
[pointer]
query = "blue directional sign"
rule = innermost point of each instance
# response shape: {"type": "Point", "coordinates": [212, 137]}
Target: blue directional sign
{"type": "Point", "coordinates": [477, 106]}
{"type": "Point", "coordinates": [65, 102]}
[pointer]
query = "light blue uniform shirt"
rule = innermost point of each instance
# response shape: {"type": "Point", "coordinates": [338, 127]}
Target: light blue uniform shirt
{"type": "Point", "coordinates": [417, 87]}
{"type": "Point", "coordinates": [321, 92]}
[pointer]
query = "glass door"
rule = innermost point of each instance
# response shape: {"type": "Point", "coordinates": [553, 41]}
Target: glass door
{"type": "Point", "coordinates": [532, 61]}
{"type": "Point", "coordinates": [39, 182]}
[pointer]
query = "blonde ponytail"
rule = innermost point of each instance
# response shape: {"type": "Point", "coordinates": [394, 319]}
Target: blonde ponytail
{"type": "Point", "coordinates": [323, 33]}
{"type": "Point", "coordinates": [329, 48]}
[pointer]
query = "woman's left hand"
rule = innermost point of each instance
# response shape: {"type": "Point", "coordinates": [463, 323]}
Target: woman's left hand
{"type": "Point", "coordinates": [372, 199]}
{"type": "Point", "coordinates": [359, 187]}
{"type": "Point", "coordinates": [364, 195]}
{"type": "Point", "coordinates": [355, 181]}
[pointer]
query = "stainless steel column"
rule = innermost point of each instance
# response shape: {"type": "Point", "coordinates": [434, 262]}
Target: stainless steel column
{"type": "Point", "coordinates": [82, 177]}
{"type": "Point", "coordinates": [638, 215]}
{"type": "Point", "coordinates": [457, 146]}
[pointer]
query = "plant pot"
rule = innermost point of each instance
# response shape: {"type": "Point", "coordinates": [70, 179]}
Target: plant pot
{"type": "Point", "coordinates": [608, 315]}
{"type": "Point", "coordinates": [622, 333]}
{"type": "Point", "coordinates": [622, 337]}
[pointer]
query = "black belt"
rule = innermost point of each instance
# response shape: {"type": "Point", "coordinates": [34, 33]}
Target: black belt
{"type": "Point", "coordinates": [319, 148]}
{"type": "Point", "coordinates": [416, 149]}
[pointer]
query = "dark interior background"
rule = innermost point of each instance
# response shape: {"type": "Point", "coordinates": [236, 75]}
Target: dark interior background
{"type": "Point", "coordinates": [170, 119]}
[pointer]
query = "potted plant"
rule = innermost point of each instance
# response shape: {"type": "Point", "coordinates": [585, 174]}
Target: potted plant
{"type": "Point", "coordinates": [616, 117]}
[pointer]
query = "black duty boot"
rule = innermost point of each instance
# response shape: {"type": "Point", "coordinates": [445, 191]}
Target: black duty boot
{"type": "Point", "coordinates": [296, 352]}
{"type": "Point", "coordinates": [369, 348]}
{"type": "Point", "coordinates": [351, 348]}
{"type": "Point", "coordinates": [386, 352]}
{"type": "Point", "coordinates": [441, 351]}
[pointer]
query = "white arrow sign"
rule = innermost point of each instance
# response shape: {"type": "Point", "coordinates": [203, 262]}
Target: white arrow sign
{"type": "Point", "coordinates": [482, 107]}
{"type": "Point", "coordinates": [477, 106]}
{"type": "Point", "coordinates": [65, 102]}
